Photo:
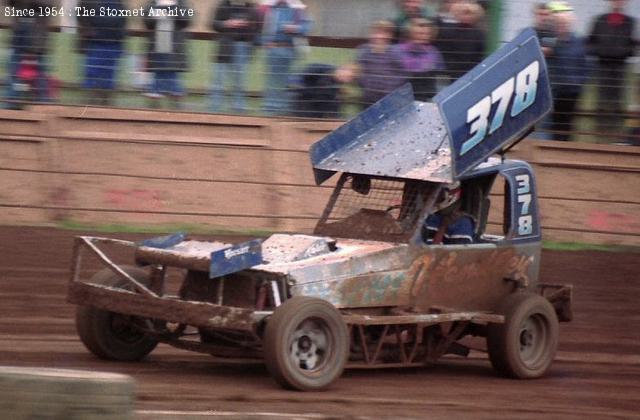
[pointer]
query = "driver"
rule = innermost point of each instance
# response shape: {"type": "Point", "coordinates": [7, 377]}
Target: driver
{"type": "Point", "coordinates": [448, 224]}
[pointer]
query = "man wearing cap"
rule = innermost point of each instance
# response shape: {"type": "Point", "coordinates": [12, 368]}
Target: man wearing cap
{"type": "Point", "coordinates": [567, 69]}
{"type": "Point", "coordinates": [611, 42]}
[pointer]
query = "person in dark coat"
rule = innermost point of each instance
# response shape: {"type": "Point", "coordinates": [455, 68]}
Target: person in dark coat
{"type": "Point", "coordinates": [612, 42]}
{"type": "Point", "coordinates": [166, 21]}
{"type": "Point", "coordinates": [568, 71]}
{"type": "Point", "coordinates": [237, 23]}
{"type": "Point", "coordinates": [101, 41]}
{"type": "Point", "coordinates": [27, 61]}
{"type": "Point", "coordinates": [462, 41]}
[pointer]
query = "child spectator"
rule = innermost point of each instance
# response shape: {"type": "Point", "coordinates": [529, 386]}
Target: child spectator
{"type": "Point", "coordinates": [101, 40]}
{"type": "Point", "coordinates": [567, 70]}
{"type": "Point", "coordinates": [27, 64]}
{"type": "Point", "coordinates": [420, 60]}
{"type": "Point", "coordinates": [167, 56]}
{"type": "Point", "coordinates": [237, 24]}
{"type": "Point", "coordinates": [317, 92]}
{"type": "Point", "coordinates": [380, 70]}
{"type": "Point", "coordinates": [284, 21]}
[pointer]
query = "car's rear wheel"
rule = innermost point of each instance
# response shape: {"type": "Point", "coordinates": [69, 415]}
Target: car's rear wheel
{"type": "Point", "coordinates": [525, 345]}
{"type": "Point", "coordinates": [110, 335]}
{"type": "Point", "coordinates": [306, 344]}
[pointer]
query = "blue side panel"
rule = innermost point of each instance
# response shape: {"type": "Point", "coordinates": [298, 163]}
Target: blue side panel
{"type": "Point", "coordinates": [348, 134]}
{"type": "Point", "coordinates": [497, 102]}
{"type": "Point", "coordinates": [236, 258]}
{"type": "Point", "coordinates": [164, 242]}
{"type": "Point", "coordinates": [525, 220]}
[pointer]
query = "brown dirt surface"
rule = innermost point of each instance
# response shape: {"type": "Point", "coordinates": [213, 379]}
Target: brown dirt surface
{"type": "Point", "coordinates": [596, 373]}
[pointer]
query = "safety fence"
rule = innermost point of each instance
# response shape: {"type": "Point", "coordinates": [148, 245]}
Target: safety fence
{"type": "Point", "coordinates": [318, 59]}
{"type": "Point", "coordinates": [139, 167]}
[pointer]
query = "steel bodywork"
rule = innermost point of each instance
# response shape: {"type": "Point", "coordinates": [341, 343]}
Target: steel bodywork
{"type": "Point", "coordinates": [405, 302]}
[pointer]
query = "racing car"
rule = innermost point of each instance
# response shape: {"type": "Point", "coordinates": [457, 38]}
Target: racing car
{"type": "Point", "coordinates": [371, 287]}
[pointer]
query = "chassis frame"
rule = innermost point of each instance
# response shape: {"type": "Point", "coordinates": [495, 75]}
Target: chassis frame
{"type": "Point", "coordinates": [395, 339]}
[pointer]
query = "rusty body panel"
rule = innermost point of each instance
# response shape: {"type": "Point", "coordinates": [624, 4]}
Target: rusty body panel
{"type": "Point", "coordinates": [470, 277]}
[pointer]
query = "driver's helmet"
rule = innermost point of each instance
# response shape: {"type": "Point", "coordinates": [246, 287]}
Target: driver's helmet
{"type": "Point", "coordinates": [449, 196]}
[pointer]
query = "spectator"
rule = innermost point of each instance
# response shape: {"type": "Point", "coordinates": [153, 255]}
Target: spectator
{"type": "Point", "coordinates": [611, 42]}
{"type": "Point", "coordinates": [421, 62]}
{"type": "Point", "coordinates": [237, 23]}
{"type": "Point", "coordinates": [27, 62]}
{"type": "Point", "coordinates": [567, 70]}
{"type": "Point", "coordinates": [101, 40]}
{"type": "Point", "coordinates": [167, 57]}
{"type": "Point", "coordinates": [542, 21]}
{"type": "Point", "coordinates": [284, 21]}
{"type": "Point", "coordinates": [446, 24]}
{"type": "Point", "coordinates": [408, 9]}
{"type": "Point", "coordinates": [380, 70]}
{"type": "Point", "coordinates": [467, 40]}
{"type": "Point", "coordinates": [542, 25]}
{"type": "Point", "coordinates": [317, 94]}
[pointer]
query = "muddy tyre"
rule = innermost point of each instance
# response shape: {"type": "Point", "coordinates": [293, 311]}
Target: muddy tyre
{"type": "Point", "coordinates": [525, 345]}
{"type": "Point", "coordinates": [110, 335]}
{"type": "Point", "coordinates": [306, 344]}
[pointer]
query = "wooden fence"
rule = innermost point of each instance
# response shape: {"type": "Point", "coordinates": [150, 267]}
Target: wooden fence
{"type": "Point", "coordinates": [100, 166]}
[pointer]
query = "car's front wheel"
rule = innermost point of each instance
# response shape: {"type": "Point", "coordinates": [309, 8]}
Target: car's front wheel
{"type": "Point", "coordinates": [306, 344]}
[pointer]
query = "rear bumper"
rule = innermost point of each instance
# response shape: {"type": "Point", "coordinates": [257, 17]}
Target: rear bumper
{"type": "Point", "coordinates": [561, 297]}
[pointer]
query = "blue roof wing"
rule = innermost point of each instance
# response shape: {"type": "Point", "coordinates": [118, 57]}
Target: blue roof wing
{"type": "Point", "coordinates": [494, 105]}
{"type": "Point", "coordinates": [484, 112]}
{"type": "Point", "coordinates": [395, 137]}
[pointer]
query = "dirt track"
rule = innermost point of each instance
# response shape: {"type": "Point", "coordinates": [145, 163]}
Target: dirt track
{"type": "Point", "coordinates": [596, 374]}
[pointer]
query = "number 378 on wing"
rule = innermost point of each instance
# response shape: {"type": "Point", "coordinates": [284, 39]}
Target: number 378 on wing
{"type": "Point", "coordinates": [522, 88]}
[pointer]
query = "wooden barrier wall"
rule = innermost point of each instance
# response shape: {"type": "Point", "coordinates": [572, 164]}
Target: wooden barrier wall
{"type": "Point", "coordinates": [101, 166]}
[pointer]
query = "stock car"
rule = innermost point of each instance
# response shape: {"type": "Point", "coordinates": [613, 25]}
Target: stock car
{"type": "Point", "coordinates": [365, 290]}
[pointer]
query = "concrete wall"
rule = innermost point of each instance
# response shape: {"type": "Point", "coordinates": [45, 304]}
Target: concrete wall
{"type": "Point", "coordinates": [150, 167]}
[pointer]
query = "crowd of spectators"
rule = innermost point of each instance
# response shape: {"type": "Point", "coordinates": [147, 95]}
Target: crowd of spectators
{"type": "Point", "coordinates": [426, 43]}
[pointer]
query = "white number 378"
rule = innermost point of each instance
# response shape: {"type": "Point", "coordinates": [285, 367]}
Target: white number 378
{"type": "Point", "coordinates": [523, 86]}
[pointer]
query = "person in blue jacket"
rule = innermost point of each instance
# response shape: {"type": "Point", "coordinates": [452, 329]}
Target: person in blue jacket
{"type": "Point", "coordinates": [101, 40]}
{"type": "Point", "coordinates": [448, 224]}
{"type": "Point", "coordinates": [284, 22]}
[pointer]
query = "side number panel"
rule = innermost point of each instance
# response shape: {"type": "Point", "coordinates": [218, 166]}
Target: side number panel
{"type": "Point", "coordinates": [524, 209]}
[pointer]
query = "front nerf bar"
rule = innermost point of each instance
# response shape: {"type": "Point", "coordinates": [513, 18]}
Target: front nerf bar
{"type": "Point", "coordinates": [143, 301]}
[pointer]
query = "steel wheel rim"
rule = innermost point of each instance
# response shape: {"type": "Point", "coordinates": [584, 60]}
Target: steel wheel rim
{"type": "Point", "coordinates": [533, 338]}
{"type": "Point", "coordinates": [310, 344]}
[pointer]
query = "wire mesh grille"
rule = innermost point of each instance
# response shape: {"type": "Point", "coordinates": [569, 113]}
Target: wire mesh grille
{"type": "Point", "coordinates": [373, 208]}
